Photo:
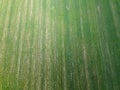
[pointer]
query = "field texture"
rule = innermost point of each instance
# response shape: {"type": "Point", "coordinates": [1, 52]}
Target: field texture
{"type": "Point", "coordinates": [59, 44]}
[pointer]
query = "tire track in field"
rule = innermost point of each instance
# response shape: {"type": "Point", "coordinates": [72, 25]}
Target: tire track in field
{"type": "Point", "coordinates": [20, 42]}
{"type": "Point", "coordinates": [5, 33]}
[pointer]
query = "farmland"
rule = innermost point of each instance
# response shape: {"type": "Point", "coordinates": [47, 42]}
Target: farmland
{"type": "Point", "coordinates": [59, 45]}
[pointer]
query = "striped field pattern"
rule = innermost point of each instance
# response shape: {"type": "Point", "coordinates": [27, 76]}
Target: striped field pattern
{"type": "Point", "coordinates": [59, 45]}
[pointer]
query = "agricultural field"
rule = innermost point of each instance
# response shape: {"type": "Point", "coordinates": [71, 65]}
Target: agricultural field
{"type": "Point", "coordinates": [59, 45]}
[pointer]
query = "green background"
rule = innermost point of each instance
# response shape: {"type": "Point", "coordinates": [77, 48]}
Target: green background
{"type": "Point", "coordinates": [59, 45]}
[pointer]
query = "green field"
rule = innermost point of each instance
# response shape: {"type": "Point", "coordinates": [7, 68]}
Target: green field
{"type": "Point", "coordinates": [59, 45]}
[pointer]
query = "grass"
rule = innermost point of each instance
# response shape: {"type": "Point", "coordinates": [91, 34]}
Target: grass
{"type": "Point", "coordinates": [59, 45]}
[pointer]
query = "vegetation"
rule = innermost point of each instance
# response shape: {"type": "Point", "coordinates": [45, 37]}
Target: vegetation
{"type": "Point", "coordinates": [59, 45]}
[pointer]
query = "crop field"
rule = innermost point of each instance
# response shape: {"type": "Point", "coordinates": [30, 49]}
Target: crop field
{"type": "Point", "coordinates": [59, 45]}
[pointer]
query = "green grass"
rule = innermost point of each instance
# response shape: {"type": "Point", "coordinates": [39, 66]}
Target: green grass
{"type": "Point", "coordinates": [59, 45]}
